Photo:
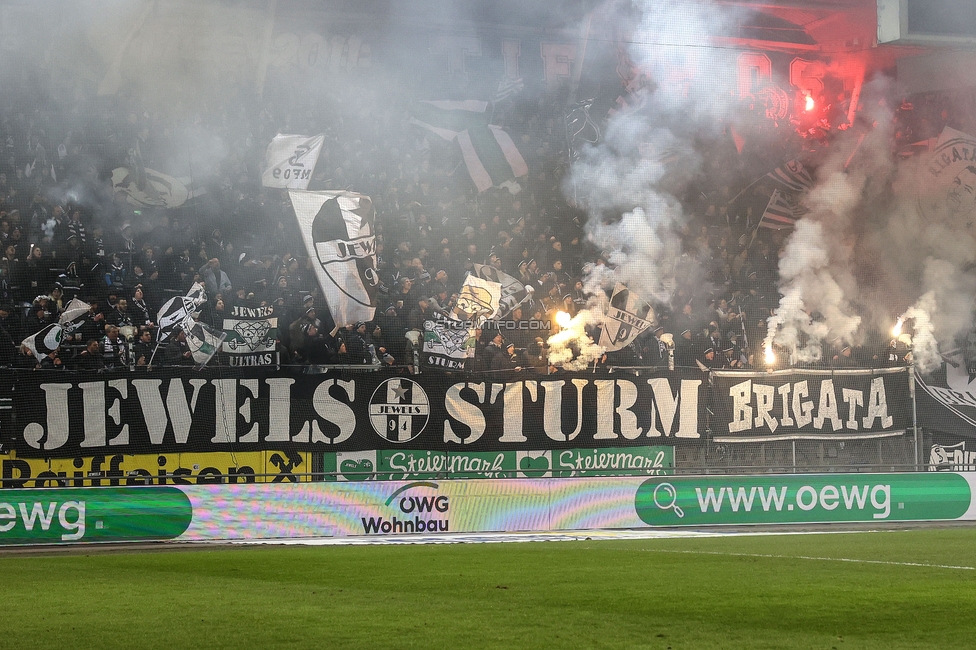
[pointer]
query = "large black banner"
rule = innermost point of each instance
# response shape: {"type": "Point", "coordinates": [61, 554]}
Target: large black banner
{"type": "Point", "coordinates": [946, 399]}
{"type": "Point", "coordinates": [810, 405]}
{"type": "Point", "coordinates": [60, 414]}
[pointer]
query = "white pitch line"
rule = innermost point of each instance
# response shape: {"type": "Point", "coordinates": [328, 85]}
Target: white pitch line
{"type": "Point", "coordinates": [811, 557]}
{"type": "Point", "coordinates": [504, 537]}
{"type": "Point", "coordinates": [480, 538]}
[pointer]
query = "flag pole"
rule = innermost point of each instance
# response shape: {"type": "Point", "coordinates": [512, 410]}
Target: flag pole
{"type": "Point", "coordinates": [153, 355]}
{"type": "Point", "coordinates": [746, 189]}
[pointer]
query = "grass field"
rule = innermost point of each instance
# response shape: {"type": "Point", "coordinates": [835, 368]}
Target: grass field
{"type": "Point", "coordinates": [731, 592]}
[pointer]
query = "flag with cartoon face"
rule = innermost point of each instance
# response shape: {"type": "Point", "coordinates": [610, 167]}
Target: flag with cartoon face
{"type": "Point", "coordinates": [337, 228]}
{"type": "Point", "coordinates": [478, 299]}
{"type": "Point", "coordinates": [513, 292]}
{"type": "Point", "coordinates": [74, 315]}
{"type": "Point", "coordinates": [946, 181]}
{"type": "Point", "coordinates": [447, 344]}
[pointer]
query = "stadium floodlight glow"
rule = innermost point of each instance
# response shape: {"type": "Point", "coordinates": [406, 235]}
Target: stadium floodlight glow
{"type": "Point", "coordinates": [896, 330]}
{"type": "Point", "coordinates": [563, 319]}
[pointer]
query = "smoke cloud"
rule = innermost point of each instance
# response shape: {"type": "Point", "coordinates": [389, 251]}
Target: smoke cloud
{"type": "Point", "coordinates": [634, 179]}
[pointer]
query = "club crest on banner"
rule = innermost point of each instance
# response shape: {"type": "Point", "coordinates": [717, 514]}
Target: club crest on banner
{"type": "Point", "coordinates": [252, 333]}
{"type": "Point", "coordinates": [955, 390]}
{"type": "Point", "coordinates": [947, 188]}
{"type": "Point", "coordinates": [399, 410]}
{"type": "Point", "coordinates": [337, 228]}
{"type": "Point", "coordinates": [627, 315]}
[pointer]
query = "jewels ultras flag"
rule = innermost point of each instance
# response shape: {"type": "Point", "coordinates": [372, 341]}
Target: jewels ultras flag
{"type": "Point", "coordinates": [337, 228]}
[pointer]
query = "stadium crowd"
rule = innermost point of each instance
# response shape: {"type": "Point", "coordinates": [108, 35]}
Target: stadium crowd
{"type": "Point", "coordinates": [65, 233]}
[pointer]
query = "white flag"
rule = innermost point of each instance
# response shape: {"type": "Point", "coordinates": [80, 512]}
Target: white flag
{"type": "Point", "coordinates": [478, 299]}
{"type": "Point", "coordinates": [290, 161]}
{"type": "Point", "coordinates": [337, 228]}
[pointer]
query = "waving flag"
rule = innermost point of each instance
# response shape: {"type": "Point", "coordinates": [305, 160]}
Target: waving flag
{"type": "Point", "coordinates": [792, 175]}
{"type": "Point", "coordinates": [290, 161]}
{"type": "Point", "coordinates": [203, 341]}
{"type": "Point", "coordinates": [74, 314]}
{"type": "Point", "coordinates": [508, 87]}
{"type": "Point", "coordinates": [447, 344]}
{"type": "Point", "coordinates": [175, 311]}
{"type": "Point", "coordinates": [627, 315]}
{"type": "Point", "coordinates": [513, 292]}
{"type": "Point", "coordinates": [45, 341]}
{"type": "Point", "coordinates": [337, 228]}
{"type": "Point", "coordinates": [197, 293]}
{"type": "Point", "coordinates": [478, 299]}
{"type": "Point", "coordinates": [778, 213]}
{"type": "Point", "coordinates": [171, 315]}
{"type": "Point", "coordinates": [489, 152]}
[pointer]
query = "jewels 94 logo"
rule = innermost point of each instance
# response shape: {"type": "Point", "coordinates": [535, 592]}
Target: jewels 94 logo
{"type": "Point", "coordinates": [419, 511]}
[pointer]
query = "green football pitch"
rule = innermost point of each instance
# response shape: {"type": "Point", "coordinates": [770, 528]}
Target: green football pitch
{"type": "Point", "coordinates": [893, 589]}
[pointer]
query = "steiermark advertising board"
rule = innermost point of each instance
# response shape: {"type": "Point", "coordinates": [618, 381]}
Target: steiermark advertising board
{"type": "Point", "coordinates": [427, 505]}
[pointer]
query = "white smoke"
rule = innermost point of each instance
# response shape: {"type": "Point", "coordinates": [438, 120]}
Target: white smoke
{"type": "Point", "coordinates": [815, 274]}
{"type": "Point", "coordinates": [632, 180]}
{"type": "Point", "coordinates": [571, 347]}
{"type": "Point", "coordinates": [925, 347]}
{"type": "Point", "coordinates": [821, 296]}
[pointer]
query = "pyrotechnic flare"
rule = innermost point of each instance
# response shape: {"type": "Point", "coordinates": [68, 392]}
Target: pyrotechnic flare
{"type": "Point", "coordinates": [896, 330]}
{"type": "Point", "coordinates": [572, 348]}
{"type": "Point", "coordinates": [925, 349]}
{"type": "Point", "coordinates": [563, 319]}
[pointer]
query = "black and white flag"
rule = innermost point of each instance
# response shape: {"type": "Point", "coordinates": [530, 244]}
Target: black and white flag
{"type": "Point", "coordinates": [290, 161]}
{"type": "Point", "coordinates": [513, 293]}
{"type": "Point", "coordinates": [74, 315]}
{"type": "Point", "coordinates": [175, 311]}
{"type": "Point", "coordinates": [337, 228]}
{"type": "Point", "coordinates": [198, 294]}
{"type": "Point", "coordinates": [203, 340]}
{"type": "Point", "coordinates": [627, 315]}
{"type": "Point", "coordinates": [478, 300]}
{"type": "Point", "coordinates": [171, 316]}
{"type": "Point", "coordinates": [251, 336]}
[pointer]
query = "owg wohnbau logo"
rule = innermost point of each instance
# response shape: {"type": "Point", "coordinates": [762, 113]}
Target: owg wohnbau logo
{"type": "Point", "coordinates": [417, 510]}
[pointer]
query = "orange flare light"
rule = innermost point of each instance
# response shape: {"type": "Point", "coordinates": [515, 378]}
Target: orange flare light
{"type": "Point", "coordinates": [896, 330]}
